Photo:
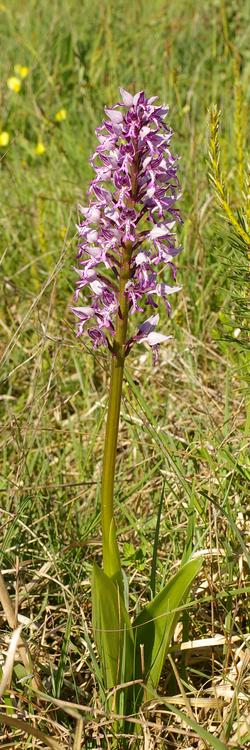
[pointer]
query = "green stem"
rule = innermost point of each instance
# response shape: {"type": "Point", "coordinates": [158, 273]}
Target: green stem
{"type": "Point", "coordinates": [111, 558]}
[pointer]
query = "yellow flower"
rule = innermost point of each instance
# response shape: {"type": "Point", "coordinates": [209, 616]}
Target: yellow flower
{"type": "Point", "coordinates": [4, 138]}
{"type": "Point", "coordinates": [40, 148]}
{"type": "Point", "coordinates": [21, 70]}
{"type": "Point", "coordinates": [61, 115]}
{"type": "Point", "coordinates": [14, 84]}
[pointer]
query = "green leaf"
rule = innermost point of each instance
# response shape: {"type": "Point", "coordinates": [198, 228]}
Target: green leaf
{"type": "Point", "coordinates": [113, 558]}
{"type": "Point", "coordinates": [156, 541]}
{"type": "Point", "coordinates": [156, 623]}
{"type": "Point", "coordinates": [209, 738]}
{"type": "Point", "coordinates": [58, 678]}
{"type": "Point", "coordinates": [112, 630]}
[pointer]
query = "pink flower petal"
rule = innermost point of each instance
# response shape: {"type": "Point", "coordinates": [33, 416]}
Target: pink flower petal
{"type": "Point", "coordinates": [115, 115]}
{"type": "Point", "coordinates": [126, 97]}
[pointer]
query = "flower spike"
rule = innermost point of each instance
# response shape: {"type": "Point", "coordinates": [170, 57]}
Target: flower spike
{"type": "Point", "coordinates": [131, 213]}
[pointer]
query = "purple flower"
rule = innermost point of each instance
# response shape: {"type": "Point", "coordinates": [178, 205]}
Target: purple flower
{"type": "Point", "coordinates": [132, 214]}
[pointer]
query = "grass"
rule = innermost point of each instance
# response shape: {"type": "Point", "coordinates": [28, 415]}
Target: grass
{"type": "Point", "coordinates": [183, 441]}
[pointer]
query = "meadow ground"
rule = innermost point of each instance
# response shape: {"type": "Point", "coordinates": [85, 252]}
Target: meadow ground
{"type": "Point", "coordinates": [184, 424]}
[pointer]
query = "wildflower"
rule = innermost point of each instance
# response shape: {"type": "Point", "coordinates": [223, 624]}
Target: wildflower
{"type": "Point", "coordinates": [127, 237]}
{"type": "Point", "coordinates": [61, 115]}
{"type": "Point", "coordinates": [4, 138]}
{"type": "Point", "coordinates": [14, 84]}
{"type": "Point", "coordinates": [21, 70]}
{"type": "Point", "coordinates": [40, 148]}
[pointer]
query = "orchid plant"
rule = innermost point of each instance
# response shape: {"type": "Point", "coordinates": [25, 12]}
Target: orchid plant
{"type": "Point", "coordinates": [127, 247]}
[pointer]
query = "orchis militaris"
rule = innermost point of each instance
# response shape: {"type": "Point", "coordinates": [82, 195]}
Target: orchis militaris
{"type": "Point", "coordinates": [128, 229]}
{"type": "Point", "coordinates": [127, 248]}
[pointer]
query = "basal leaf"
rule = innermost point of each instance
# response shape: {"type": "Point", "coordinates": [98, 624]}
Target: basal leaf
{"type": "Point", "coordinates": [156, 623]}
{"type": "Point", "coordinates": [112, 630]}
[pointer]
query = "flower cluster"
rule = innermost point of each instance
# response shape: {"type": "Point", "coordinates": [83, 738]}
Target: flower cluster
{"type": "Point", "coordinates": [131, 211]}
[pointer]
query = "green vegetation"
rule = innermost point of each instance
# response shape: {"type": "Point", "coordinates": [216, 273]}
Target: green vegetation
{"type": "Point", "coordinates": [183, 461]}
